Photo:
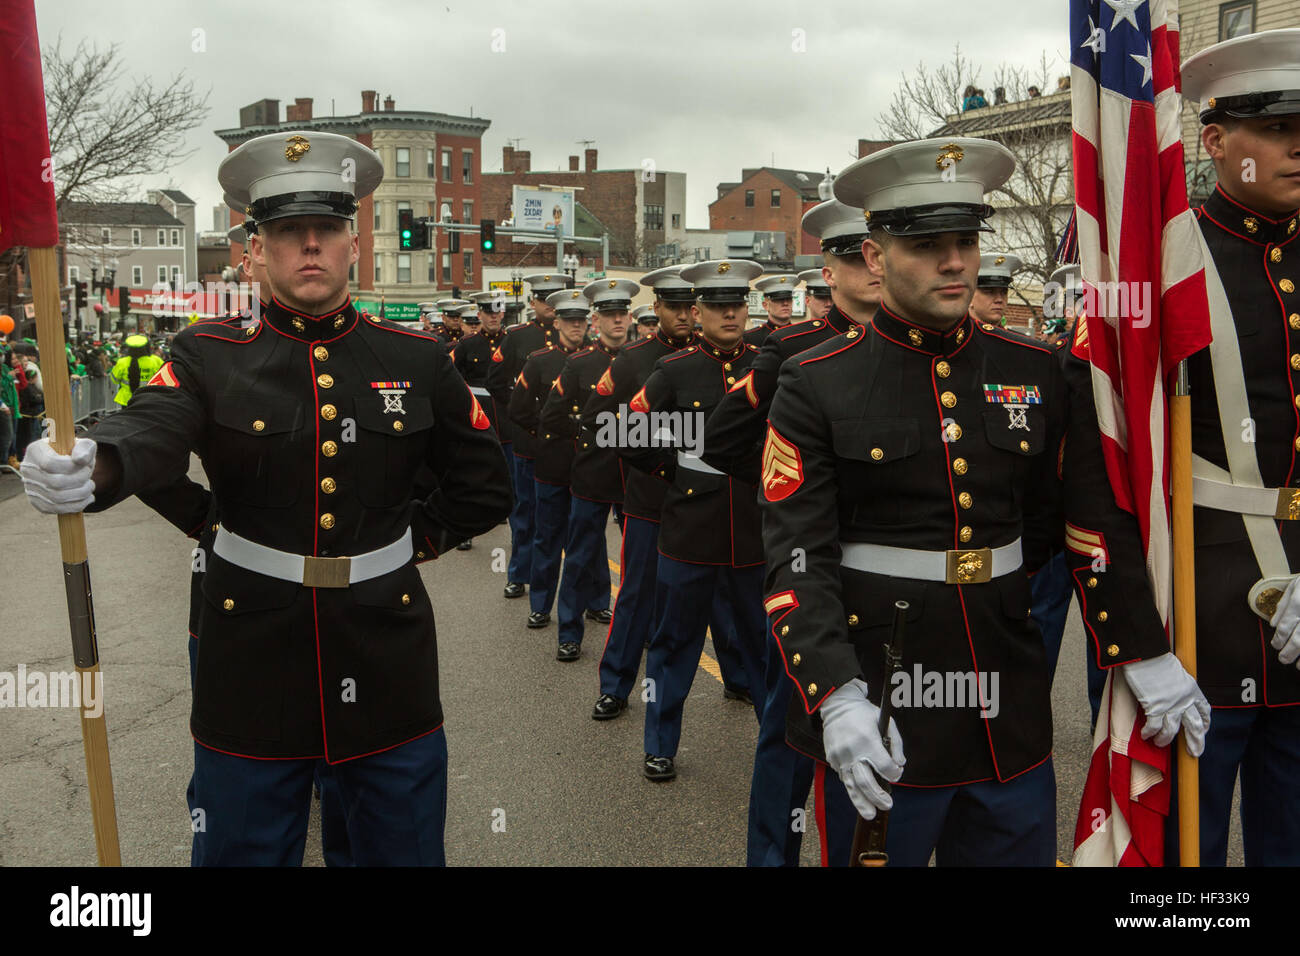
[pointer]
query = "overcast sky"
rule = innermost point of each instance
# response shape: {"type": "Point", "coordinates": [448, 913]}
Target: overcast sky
{"type": "Point", "coordinates": [703, 87]}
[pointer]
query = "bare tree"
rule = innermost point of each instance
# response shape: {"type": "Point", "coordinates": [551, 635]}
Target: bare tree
{"type": "Point", "coordinates": [1035, 204]}
{"type": "Point", "coordinates": [106, 129]}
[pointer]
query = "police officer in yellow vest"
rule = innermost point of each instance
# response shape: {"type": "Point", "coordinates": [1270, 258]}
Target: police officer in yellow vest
{"type": "Point", "coordinates": [135, 368]}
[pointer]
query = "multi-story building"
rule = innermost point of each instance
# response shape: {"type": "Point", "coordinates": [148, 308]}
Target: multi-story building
{"type": "Point", "coordinates": [141, 242]}
{"type": "Point", "coordinates": [430, 160]}
{"type": "Point", "coordinates": [768, 199]}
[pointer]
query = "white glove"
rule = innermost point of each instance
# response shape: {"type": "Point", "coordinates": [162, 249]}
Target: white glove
{"type": "Point", "coordinates": [854, 747]}
{"type": "Point", "coordinates": [1171, 698]}
{"type": "Point", "coordinates": [59, 484]}
{"type": "Point", "coordinates": [1286, 639]}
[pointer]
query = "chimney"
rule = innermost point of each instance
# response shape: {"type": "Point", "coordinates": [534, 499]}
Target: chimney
{"type": "Point", "coordinates": [591, 160]}
{"type": "Point", "coordinates": [299, 111]}
{"type": "Point", "coordinates": [507, 158]}
{"type": "Point", "coordinates": [573, 164]}
{"type": "Point", "coordinates": [514, 160]}
{"type": "Point", "coordinates": [388, 104]}
{"type": "Point", "coordinates": [368, 101]}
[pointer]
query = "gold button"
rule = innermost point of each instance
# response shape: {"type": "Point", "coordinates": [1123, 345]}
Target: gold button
{"type": "Point", "coordinates": [329, 449]}
{"type": "Point", "coordinates": [1297, 444]}
{"type": "Point", "coordinates": [1295, 361]}
{"type": "Point", "coordinates": [1113, 650]}
{"type": "Point", "coordinates": [298, 324]}
{"type": "Point", "coordinates": [325, 381]}
{"type": "Point", "coordinates": [953, 430]}
{"type": "Point", "coordinates": [696, 404]}
{"type": "Point", "coordinates": [731, 380]}
{"type": "Point", "coordinates": [321, 353]}
{"type": "Point", "coordinates": [1297, 401]}
{"type": "Point", "coordinates": [327, 521]}
{"type": "Point", "coordinates": [214, 527]}
{"type": "Point", "coordinates": [328, 412]}
{"type": "Point", "coordinates": [690, 491]}
{"type": "Point", "coordinates": [965, 500]}
{"type": "Point", "coordinates": [943, 369]}
{"type": "Point", "coordinates": [853, 620]}
{"type": "Point", "coordinates": [398, 426]}
{"type": "Point", "coordinates": [328, 486]}
{"type": "Point", "coordinates": [1287, 286]}
{"type": "Point", "coordinates": [987, 326]}
{"type": "Point", "coordinates": [959, 466]}
{"type": "Point", "coordinates": [228, 604]}
{"type": "Point", "coordinates": [965, 534]}
{"type": "Point", "coordinates": [1103, 616]}
{"type": "Point", "coordinates": [419, 554]}
{"type": "Point", "coordinates": [727, 367]}
{"type": "Point", "coordinates": [1275, 255]}
{"type": "Point", "coordinates": [1294, 319]}
{"type": "Point", "coordinates": [251, 330]}
{"type": "Point", "coordinates": [1092, 582]}
{"type": "Point", "coordinates": [785, 629]}
{"type": "Point", "coordinates": [796, 660]}
{"type": "Point", "coordinates": [406, 599]}
{"type": "Point", "coordinates": [877, 454]}
{"type": "Point", "coordinates": [259, 425]}
{"type": "Point", "coordinates": [1251, 224]}
{"type": "Point", "coordinates": [948, 399]}
{"type": "Point", "coordinates": [812, 689]}
{"type": "Point", "coordinates": [1024, 446]}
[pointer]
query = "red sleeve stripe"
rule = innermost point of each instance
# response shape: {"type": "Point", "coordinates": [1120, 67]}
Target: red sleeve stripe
{"type": "Point", "coordinates": [1085, 542]}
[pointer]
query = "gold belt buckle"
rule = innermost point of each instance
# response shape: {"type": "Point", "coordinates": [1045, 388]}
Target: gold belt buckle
{"type": "Point", "coordinates": [1288, 504]}
{"type": "Point", "coordinates": [970, 567]}
{"type": "Point", "coordinates": [326, 572]}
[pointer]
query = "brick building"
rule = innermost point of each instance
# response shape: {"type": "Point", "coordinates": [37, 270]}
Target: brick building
{"type": "Point", "coordinates": [430, 159]}
{"type": "Point", "coordinates": [769, 200]}
{"type": "Point", "coordinates": [641, 209]}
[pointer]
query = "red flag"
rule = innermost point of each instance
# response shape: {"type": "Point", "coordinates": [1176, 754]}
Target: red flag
{"type": "Point", "coordinates": [27, 214]}
{"type": "Point", "coordinates": [1146, 310]}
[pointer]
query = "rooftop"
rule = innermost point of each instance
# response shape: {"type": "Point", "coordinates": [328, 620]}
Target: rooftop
{"type": "Point", "coordinates": [365, 123]}
{"type": "Point", "coordinates": [116, 214]}
{"type": "Point", "coordinates": [1042, 112]}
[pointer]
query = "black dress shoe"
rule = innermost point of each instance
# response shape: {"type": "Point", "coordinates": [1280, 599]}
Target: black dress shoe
{"type": "Point", "coordinates": [659, 768]}
{"type": "Point", "coordinates": [464, 546]}
{"type": "Point", "coordinates": [538, 619]}
{"type": "Point", "coordinates": [515, 589]}
{"type": "Point", "coordinates": [568, 652]}
{"type": "Point", "coordinates": [602, 617]}
{"type": "Point", "coordinates": [735, 693]}
{"type": "Point", "coordinates": [608, 707]}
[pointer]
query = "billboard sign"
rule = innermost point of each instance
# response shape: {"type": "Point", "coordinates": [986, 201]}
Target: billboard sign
{"type": "Point", "coordinates": [542, 210]}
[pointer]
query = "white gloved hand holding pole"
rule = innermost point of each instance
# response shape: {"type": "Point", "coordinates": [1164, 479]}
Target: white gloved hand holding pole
{"type": "Point", "coordinates": [1172, 700]}
{"type": "Point", "coordinates": [855, 750]}
{"type": "Point", "coordinates": [59, 484]}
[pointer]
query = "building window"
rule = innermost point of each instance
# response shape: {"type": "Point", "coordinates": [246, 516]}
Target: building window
{"type": "Point", "coordinates": [404, 161]}
{"type": "Point", "coordinates": [677, 220]}
{"type": "Point", "coordinates": [162, 274]}
{"type": "Point", "coordinates": [467, 211]}
{"type": "Point", "coordinates": [430, 166]}
{"type": "Point", "coordinates": [404, 267]}
{"type": "Point", "coordinates": [446, 165]}
{"type": "Point", "coordinates": [433, 275]}
{"type": "Point", "coordinates": [176, 277]}
{"type": "Point", "coordinates": [162, 237]}
{"type": "Point", "coordinates": [378, 218]}
{"type": "Point", "coordinates": [137, 276]}
{"type": "Point", "coordinates": [654, 217]}
{"type": "Point", "coordinates": [1236, 19]}
{"type": "Point", "coordinates": [749, 198]}
{"type": "Point", "coordinates": [74, 273]}
{"type": "Point", "coordinates": [469, 266]}
{"type": "Point", "coordinates": [467, 165]}
{"type": "Point", "coordinates": [135, 237]}
{"type": "Point", "coordinates": [776, 198]}
{"type": "Point", "coordinates": [106, 235]}
{"type": "Point", "coordinates": [378, 270]}
{"type": "Point", "coordinates": [176, 237]}
{"type": "Point", "coordinates": [402, 204]}
{"type": "Point", "coordinates": [446, 266]}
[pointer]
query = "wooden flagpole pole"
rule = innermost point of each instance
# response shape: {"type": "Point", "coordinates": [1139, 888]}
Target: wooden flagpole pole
{"type": "Point", "coordinates": [1180, 423]}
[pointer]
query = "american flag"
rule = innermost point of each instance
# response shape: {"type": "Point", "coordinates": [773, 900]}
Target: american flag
{"type": "Point", "coordinates": [1134, 231]}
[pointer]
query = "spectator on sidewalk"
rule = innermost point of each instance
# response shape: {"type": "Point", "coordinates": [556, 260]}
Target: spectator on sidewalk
{"type": "Point", "coordinates": [135, 368]}
{"type": "Point", "coordinates": [31, 401]}
{"type": "Point", "coordinates": [8, 412]}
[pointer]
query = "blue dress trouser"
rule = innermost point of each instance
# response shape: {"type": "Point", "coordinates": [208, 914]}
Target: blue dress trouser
{"type": "Point", "coordinates": [637, 609]}
{"type": "Point", "coordinates": [549, 531]}
{"type": "Point", "coordinates": [675, 649]}
{"type": "Point", "coordinates": [255, 811]}
{"type": "Point", "coordinates": [722, 628]}
{"type": "Point", "coordinates": [522, 522]}
{"type": "Point", "coordinates": [584, 584]}
{"type": "Point", "coordinates": [1263, 745]}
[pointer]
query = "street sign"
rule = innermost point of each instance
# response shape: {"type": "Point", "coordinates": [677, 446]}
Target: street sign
{"type": "Point", "coordinates": [595, 275]}
{"type": "Point", "coordinates": [393, 311]}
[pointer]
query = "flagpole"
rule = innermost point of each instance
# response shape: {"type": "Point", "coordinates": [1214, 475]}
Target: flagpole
{"type": "Point", "coordinates": [72, 543]}
{"type": "Point", "coordinates": [1180, 426]}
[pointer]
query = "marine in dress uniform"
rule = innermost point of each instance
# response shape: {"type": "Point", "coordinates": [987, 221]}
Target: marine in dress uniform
{"type": "Point", "coordinates": [709, 537]}
{"type": "Point", "coordinates": [597, 480]}
{"type": "Point", "coordinates": [311, 426]}
{"type": "Point", "coordinates": [553, 452]}
{"type": "Point", "coordinates": [449, 311]}
{"type": "Point", "coordinates": [469, 322]}
{"type": "Point", "coordinates": [644, 321]}
{"type": "Point", "coordinates": [817, 294]}
{"type": "Point", "coordinates": [733, 443]}
{"type": "Point", "coordinates": [1245, 432]}
{"type": "Point", "coordinates": [472, 354]}
{"type": "Point", "coordinates": [778, 300]}
{"type": "Point", "coordinates": [921, 458]}
{"type": "Point", "coordinates": [507, 362]}
{"type": "Point", "coordinates": [990, 301]}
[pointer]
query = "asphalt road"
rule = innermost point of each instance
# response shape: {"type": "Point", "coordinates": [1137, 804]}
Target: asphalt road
{"type": "Point", "coordinates": [532, 779]}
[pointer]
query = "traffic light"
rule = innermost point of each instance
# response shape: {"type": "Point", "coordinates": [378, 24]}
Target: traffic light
{"type": "Point", "coordinates": [123, 300]}
{"type": "Point", "coordinates": [453, 241]}
{"type": "Point", "coordinates": [487, 230]}
{"type": "Point", "coordinates": [406, 229]}
{"type": "Point", "coordinates": [81, 295]}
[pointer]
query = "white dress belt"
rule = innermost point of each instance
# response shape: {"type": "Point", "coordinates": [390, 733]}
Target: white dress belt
{"type": "Point", "coordinates": [1282, 504]}
{"type": "Point", "coordinates": [480, 391]}
{"type": "Point", "coordinates": [686, 460]}
{"type": "Point", "coordinates": [958, 566]}
{"type": "Point", "coordinates": [312, 571]}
